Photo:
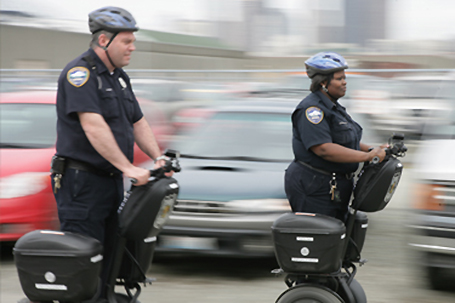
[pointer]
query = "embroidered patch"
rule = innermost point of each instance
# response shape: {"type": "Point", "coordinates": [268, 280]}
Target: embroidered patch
{"type": "Point", "coordinates": [314, 114]}
{"type": "Point", "coordinates": [78, 76]}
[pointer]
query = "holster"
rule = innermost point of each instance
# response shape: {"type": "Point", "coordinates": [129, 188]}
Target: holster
{"type": "Point", "coordinates": [58, 165]}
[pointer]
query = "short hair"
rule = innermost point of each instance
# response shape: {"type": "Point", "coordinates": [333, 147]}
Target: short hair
{"type": "Point", "coordinates": [95, 37]}
{"type": "Point", "coordinates": [318, 79]}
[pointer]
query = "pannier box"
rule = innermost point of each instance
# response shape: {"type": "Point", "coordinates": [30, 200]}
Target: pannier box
{"type": "Point", "coordinates": [55, 265]}
{"type": "Point", "coordinates": [142, 251]}
{"type": "Point", "coordinates": [308, 243]}
{"type": "Point", "coordinates": [358, 234]}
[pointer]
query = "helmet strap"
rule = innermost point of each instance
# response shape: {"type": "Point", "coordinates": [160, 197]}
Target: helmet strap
{"type": "Point", "coordinates": [327, 92]}
{"type": "Point", "coordinates": [107, 53]}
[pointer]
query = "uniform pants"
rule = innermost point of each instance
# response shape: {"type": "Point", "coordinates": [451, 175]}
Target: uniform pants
{"type": "Point", "coordinates": [87, 203]}
{"type": "Point", "coordinates": [309, 191]}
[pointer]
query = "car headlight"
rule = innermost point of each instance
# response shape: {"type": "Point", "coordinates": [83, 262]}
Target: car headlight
{"type": "Point", "coordinates": [23, 184]}
{"type": "Point", "coordinates": [260, 205]}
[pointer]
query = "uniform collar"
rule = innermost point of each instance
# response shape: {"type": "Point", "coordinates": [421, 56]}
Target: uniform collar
{"type": "Point", "coordinates": [325, 100]}
{"type": "Point", "coordinates": [99, 64]}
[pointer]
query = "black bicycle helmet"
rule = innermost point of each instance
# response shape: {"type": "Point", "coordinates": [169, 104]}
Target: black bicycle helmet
{"type": "Point", "coordinates": [325, 63]}
{"type": "Point", "coordinates": [111, 19]}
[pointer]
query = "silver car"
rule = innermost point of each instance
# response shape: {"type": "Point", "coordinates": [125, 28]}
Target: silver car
{"type": "Point", "coordinates": [433, 226]}
{"type": "Point", "coordinates": [232, 181]}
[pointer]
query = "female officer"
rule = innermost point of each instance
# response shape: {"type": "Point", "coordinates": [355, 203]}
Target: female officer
{"type": "Point", "coordinates": [326, 143]}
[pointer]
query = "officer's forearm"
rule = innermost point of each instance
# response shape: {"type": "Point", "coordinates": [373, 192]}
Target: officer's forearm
{"type": "Point", "coordinates": [336, 153]}
{"type": "Point", "coordinates": [365, 147]}
{"type": "Point", "coordinates": [145, 139]}
{"type": "Point", "coordinates": [100, 136]}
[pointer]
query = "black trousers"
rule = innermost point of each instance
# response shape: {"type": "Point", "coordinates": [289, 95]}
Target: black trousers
{"type": "Point", "coordinates": [309, 191]}
{"type": "Point", "coordinates": [87, 203]}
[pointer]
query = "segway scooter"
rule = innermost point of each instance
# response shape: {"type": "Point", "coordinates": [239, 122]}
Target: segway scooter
{"type": "Point", "coordinates": [55, 266]}
{"type": "Point", "coordinates": [317, 253]}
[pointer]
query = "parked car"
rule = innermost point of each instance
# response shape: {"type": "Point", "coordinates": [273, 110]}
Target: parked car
{"type": "Point", "coordinates": [232, 180]}
{"type": "Point", "coordinates": [27, 135]}
{"type": "Point", "coordinates": [433, 223]}
{"type": "Point", "coordinates": [172, 96]}
{"type": "Point", "coordinates": [27, 143]}
{"type": "Point", "coordinates": [414, 102]}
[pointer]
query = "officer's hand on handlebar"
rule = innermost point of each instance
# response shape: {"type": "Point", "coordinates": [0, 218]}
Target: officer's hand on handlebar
{"type": "Point", "coordinates": [139, 176]}
{"type": "Point", "coordinates": [377, 154]}
{"type": "Point", "coordinates": [160, 162]}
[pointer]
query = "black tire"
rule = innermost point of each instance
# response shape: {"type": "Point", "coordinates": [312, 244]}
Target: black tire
{"type": "Point", "coordinates": [358, 291]}
{"type": "Point", "coordinates": [441, 278]}
{"type": "Point", "coordinates": [309, 294]}
{"type": "Point", "coordinates": [122, 298]}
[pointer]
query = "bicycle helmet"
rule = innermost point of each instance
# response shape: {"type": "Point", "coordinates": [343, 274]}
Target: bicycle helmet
{"type": "Point", "coordinates": [111, 19]}
{"type": "Point", "coordinates": [325, 63]}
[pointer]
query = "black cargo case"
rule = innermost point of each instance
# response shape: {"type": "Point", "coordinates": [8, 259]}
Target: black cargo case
{"type": "Point", "coordinates": [357, 239]}
{"type": "Point", "coordinates": [308, 243]}
{"type": "Point", "coordinates": [59, 266]}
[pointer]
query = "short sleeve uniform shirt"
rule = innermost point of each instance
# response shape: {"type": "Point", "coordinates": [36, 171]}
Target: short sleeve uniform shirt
{"type": "Point", "coordinates": [84, 89]}
{"type": "Point", "coordinates": [317, 120]}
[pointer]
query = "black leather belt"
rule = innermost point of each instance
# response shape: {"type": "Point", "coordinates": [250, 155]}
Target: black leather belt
{"type": "Point", "coordinates": [348, 176]}
{"type": "Point", "coordinates": [79, 165]}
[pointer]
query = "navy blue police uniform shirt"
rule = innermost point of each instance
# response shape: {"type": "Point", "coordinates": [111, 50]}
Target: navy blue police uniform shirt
{"type": "Point", "coordinates": [317, 120]}
{"type": "Point", "coordinates": [82, 89]}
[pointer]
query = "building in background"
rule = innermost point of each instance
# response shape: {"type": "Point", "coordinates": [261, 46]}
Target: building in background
{"type": "Point", "coordinates": [237, 34]}
{"type": "Point", "coordinates": [364, 21]}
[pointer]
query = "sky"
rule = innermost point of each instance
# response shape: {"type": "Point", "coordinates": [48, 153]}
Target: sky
{"type": "Point", "coordinates": [406, 19]}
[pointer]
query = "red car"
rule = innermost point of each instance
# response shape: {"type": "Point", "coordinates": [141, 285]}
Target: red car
{"type": "Point", "coordinates": [27, 143]}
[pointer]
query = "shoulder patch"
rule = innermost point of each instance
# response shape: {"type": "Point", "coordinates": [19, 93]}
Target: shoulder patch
{"type": "Point", "coordinates": [78, 76]}
{"type": "Point", "coordinates": [314, 114]}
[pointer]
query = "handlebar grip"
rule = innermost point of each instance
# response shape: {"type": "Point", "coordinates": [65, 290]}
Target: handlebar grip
{"type": "Point", "coordinates": [375, 160]}
{"type": "Point", "coordinates": [133, 180]}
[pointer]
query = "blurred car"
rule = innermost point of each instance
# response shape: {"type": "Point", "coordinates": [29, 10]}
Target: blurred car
{"type": "Point", "coordinates": [168, 94]}
{"type": "Point", "coordinates": [27, 144]}
{"type": "Point", "coordinates": [12, 84]}
{"type": "Point", "coordinates": [433, 223]}
{"type": "Point", "coordinates": [414, 102]}
{"type": "Point", "coordinates": [172, 96]}
{"type": "Point", "coordinates": [291, 86]}
{"type": "Point", "coordinates": [232, 180]}
{"type": "Point", "coordinates": [27, 135]}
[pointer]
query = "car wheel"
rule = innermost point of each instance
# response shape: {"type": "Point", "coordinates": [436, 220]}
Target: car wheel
{"type": "Point", "coordinates": [308, 294]}
{"type": "Point", "coordinates": [441, 278]}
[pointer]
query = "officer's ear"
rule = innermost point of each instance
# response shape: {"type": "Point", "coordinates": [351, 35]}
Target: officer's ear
{"type": "Point", "coordinates": [103, 40]}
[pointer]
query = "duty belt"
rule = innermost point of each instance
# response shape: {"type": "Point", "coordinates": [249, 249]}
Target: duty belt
{"type": "Point", "coordinates": [346, 176]}
{"type": "Point", "coordinates": [79, 165]}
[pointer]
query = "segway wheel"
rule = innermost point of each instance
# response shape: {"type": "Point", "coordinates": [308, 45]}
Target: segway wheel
{"type": "Point", "coordinates": [122, 298]}
{"type": "Point", "coordinates": [308, 294]}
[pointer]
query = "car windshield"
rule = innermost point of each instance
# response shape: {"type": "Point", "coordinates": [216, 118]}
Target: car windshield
{"type": "Point", "coordinates": [25, 125]}
{"type": "Point", "coordinates": [240, 135]}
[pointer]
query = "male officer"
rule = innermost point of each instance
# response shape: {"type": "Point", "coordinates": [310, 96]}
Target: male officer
{"type": "Point", "coordinates": [99, 119]}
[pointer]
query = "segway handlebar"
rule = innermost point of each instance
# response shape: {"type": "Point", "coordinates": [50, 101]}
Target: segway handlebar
{"type": "Point", "coordinates": [171, 157]}
{"type": "Point", "coordinates": [396, 148]}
